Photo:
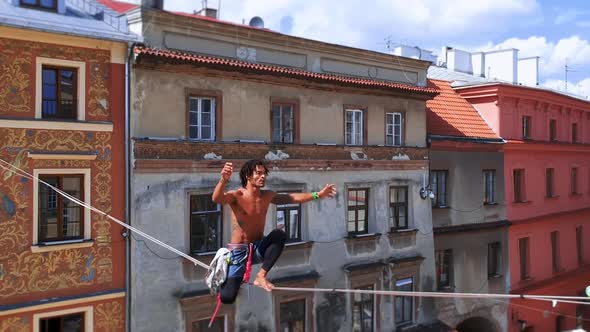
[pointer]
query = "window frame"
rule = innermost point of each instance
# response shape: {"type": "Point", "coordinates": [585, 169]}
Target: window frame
{"type": "Point", "coordinates": [60, 207]}
{"type": "Point", "coordinates": [192, 252]}
{"type": "Point", "coordinates": [87, 313]}
{"type": "Point", "coordinates": [436, 202]}
{"type": "Point", "coordinates": [285, 208]}
{"type": "Point", "coordinates": [363, 134]}
{"type": "Point", "coordinates": [37, 5]}
{"type": "Point", "coordinates": [527, 127]}
{"type": "Point", "coordinates": [402, 131]}
{"type": "Point", "coordinates": [362, 303]}
{"type": "Point", "coordinates": [550, 182]}
{"type": "Point", "coordinates": [80, 67]}
{"type": "Point", "coordinates": [401, 323]}
{"type": "Point", "coordinates": [552, 130]}
{"type": "Point", "coordinates": [489, 192]}
{"type": "Point", "coordinates": [575, 133]}
{"type": "Point", "coordinates": [524, 260]}
{"type": "Point", "coordinates": [294, 103]}
{"type": "Point", "coordinates": [394, 221]}
{"type": "Point", "coordinates": [447, 259]}
{"type": "Point", "coordinates": [494, 259]}
{"type": "Point", "coordinates": [38, 246]}
{"type": "Point", "coordinates": [574, 181]}
{"type": "Point", "coordinates": [555, 252]}
{"type": "Point", "coordinates": [217, 122]}
{"type": "Point", "coordinates": [519, 185]}
{"type": "Point", "coordinates": [580, 245]}
{"type": "Point", "coordinates": [58, 100]}
{"type": "Point", "coordinates": [356, 209]}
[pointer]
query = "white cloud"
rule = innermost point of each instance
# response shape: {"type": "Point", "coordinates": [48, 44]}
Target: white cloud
{"type": "Point", "coordinates": [581, 88]}
{"type": "Point", "coordinates": [360, 24]}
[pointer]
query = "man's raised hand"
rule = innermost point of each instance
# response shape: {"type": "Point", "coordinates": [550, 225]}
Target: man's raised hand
{"type": "Point", "coordinates": [227, 171]}
{"type": "Point", "coordinates": [328, 191]}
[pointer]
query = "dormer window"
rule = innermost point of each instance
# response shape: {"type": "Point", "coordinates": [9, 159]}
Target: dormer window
{"type": "Point", "coordinates": [40, 4]}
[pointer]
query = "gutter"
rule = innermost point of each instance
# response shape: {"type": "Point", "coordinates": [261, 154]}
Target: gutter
{"type": "Point", "coordinates": [127, 233]}
{"type": "Point", "coordinates": [466, 139]}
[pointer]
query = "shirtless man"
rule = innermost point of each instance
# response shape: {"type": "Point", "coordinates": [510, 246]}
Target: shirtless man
{"type": "Point", "coordinates": [249, 205]}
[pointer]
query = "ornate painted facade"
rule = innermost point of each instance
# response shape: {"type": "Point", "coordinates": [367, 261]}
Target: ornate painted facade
{"type": "Point", "coordinates": [45, 280]}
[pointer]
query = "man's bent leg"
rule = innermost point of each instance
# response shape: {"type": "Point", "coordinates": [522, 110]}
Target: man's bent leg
{"type": "Point", "coordinates": [229, 290]}
{"type": "Point", "coordinates": [270, 249]}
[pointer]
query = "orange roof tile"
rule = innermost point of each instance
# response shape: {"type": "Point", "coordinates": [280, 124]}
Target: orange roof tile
{"type": "Point", "coordinates": [448, 114]}
{"type": "Point", "coordinates": [285, 71]}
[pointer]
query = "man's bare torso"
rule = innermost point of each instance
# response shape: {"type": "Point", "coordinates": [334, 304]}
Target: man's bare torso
{"type": "Point", "coordinates": [249, 215]}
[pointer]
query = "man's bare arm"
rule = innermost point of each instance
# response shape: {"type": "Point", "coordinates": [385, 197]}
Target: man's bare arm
{"type": "Point", "coordinates": [296, 198]}
{"type": "Point", "coordinates": [219, 195]}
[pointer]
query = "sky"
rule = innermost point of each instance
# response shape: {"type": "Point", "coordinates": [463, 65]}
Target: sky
{"type": "Point", "coordinates": [556, 31]}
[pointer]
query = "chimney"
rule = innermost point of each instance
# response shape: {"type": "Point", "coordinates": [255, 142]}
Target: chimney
{"type": "Point", "coordinates": [458, 60]}
{"type": "Point", "coordinates": [209, 12]}
{"type": "Point", "coordinates": [153, 4]}
{"type": "Point", "coordinates": [528, 71]}
{"type": "Point", "coordinates": [414, 52]}
{"type": "Point", "coordinates": [479, 64]}
{"type": "Point", "coordinates": [502, 65]}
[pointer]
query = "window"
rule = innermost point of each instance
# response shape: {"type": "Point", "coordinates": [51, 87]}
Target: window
{"type": "Point", "coordinates": [519, 189]}
{"type": "Point", "coordinates": [398, 207]}
{"type": "Point", "coordinates": [292, 316]}
{"type": "Point", "coordinates": [523, 249]}
{"type": "Point", "coordinates": [574, 180]}
{"type": "Point", "coordinates": [393, 128]}
{"type": "Point", "coordinates": [203, 325]}
{"type": "Point", "coordinates": [283, 122]}
{"type": "Point", "coordinates": [555, 251]}
{"type": "Point", "coordinates": [289, 220]}
{"type": "Point", "coordinates": [69, 323]}
{"type": "Point", "coordinates": [363, 311]}
{"type": "Point", "coordinates": [41, 4]}
{"type": "Point", "coordinates": [59, 93]}
{"type": "Point", "coordinates": [59, 218]}
{"type": "Point", "coordinates": [201, 118]}
{"type": "Point", "coordinates": [493, 259]}
{"type": "Point", "coordinates": [526, 127]}
{"type": "Point", "coordinates": [489, 181]}
{"type": "Point", "coordinates": [579, 247]}
{"type": "Point", "coordinates": [574, 133]}
{"type": "Point", "coordinates": [205, 224]}
{"type": "Point", "coordinates": [354, 127]}
{"type": "Point", "coordinates": [444, 266]}
{"type": "Point", "coordinates": [552, 130]}
{"type": "Point", "coordinates": [404, 305]}
{"type": "Point", "coordinates": [358, 211]}
{"type": "Point", "coordinates": [438, 183]}
{"type": "Point", "coordinates": [549, 172]}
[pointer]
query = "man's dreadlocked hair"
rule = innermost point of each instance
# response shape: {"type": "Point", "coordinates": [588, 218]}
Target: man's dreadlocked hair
{"type": "Point", "coordinates": [249, 168]}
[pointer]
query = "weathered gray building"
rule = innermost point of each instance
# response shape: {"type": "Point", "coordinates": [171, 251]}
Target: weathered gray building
{"type": "Point", "coordinates": [205, 92]}
{"type": "Point", "coordinates": [468, 213]}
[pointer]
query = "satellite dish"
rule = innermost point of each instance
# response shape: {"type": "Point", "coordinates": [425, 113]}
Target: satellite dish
{"type": "Point", "coordinates": [256, 22]}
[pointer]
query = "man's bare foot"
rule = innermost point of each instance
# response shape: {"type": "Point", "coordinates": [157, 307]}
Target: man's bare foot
{"type": "Point", "coordinates": [261, 282]}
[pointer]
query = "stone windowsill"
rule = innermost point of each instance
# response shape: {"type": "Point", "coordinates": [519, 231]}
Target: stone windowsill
{"type": "Point", "coordinates": [298, 245]}
{"type": "Point", "coordinates": [490, 204]}
{"type": "Point", "coordinates": [494, 276]}
{"type": "Point", "coordinates": [399, 239]}
{"type": "Point", "coordinates": [61, 245]}
{"type": "Point", "coordinates": [522, 203]}
{"type": "Point", "coordinates": [575, 195]}
{"type": "Point", "coordinates": [363, 237]}
{"type": "Point", "coordinates": [551, 198]}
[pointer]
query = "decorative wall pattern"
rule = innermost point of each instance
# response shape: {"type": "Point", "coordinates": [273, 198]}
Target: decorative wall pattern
{"type": "Point", "coordinates": [23, 272]}
{"type": "Point", "coordinates": [109, 316]}
{"type": "Point", "coordinates": [17, 76]}
{"type": "Point", "coordinates": [14, 324]}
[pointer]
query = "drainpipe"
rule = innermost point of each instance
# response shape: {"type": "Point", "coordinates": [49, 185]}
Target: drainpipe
{"type": "Point", "coordinates": [127, 233]}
